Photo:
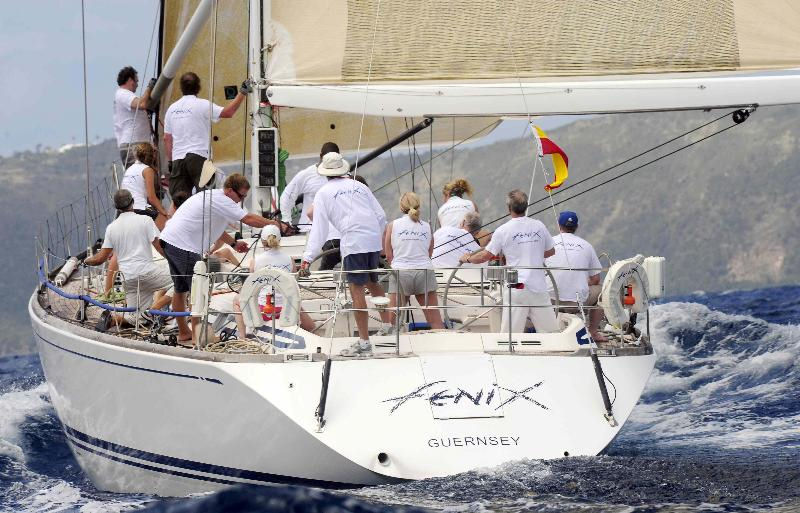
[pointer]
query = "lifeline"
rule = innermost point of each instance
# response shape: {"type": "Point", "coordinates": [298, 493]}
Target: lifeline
{"type": "Point", "coordinates": [466, 441]}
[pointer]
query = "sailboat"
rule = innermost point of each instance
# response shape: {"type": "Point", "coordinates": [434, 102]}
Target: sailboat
{"type": "Point", "coordinates": [142, 416]}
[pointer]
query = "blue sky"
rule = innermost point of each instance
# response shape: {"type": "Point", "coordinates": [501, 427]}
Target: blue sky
{"type": "Point", "coordinates": [42, 78]}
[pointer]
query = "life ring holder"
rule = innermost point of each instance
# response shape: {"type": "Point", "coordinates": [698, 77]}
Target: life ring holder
{"type": "Point", "coordinates": [283, 283]}
{"type": "Point", "coordinates": [621, 275]}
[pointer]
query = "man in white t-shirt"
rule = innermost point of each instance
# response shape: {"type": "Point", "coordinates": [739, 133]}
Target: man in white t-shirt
{"type": "Point", "coordinates": [199, 223]}
{"type": "Point", "coordinates": [132, 237]}
{"type": "Point", "coordinates": [131, 120]}
{"type": "Point", "coordinates": [525, 242]}
{"type": "Point", "coordinates": [350, 207]}
{"type": "Point", "coordinates": [187, 126]}
{"type": "Point", "coordinates": [449, 243]}
{"type": "Point", "coordinates": [573, 252]}
{"type": "Point", "coordinates": [306, 183]}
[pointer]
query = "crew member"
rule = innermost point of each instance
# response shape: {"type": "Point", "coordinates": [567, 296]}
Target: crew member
{"type": "Point", "coordinates": [331, 255]}
{"type": "Point", "coordinates": [452, 211]}
{"type": "Point", "coordinates": [271, 258]}
{"type": "Point", "coordinates": [141, 180]}
{"type": "Point", "coordinates": [449, 242]}
{"type": "Point", "coordinates": [573, 252]}
{"type": "Point", "coordinates": [186, 131]}
{"type": "Point", "coordinates": [351, 208]}
{"type": "Point", "coordinates": [306, 183]}
{"type": "Point", "coordinates": [131, 237]}
{"type": "Point", "coordinates": [525, 242]}
{"type": "Point", "coordinates": [131, 120]}
{"type": "Point", "coordinates": [409, 244]}
{"type": "Point", "coordinates": [195, 226]}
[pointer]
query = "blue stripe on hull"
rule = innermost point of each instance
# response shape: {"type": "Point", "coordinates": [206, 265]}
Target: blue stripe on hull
{"type": "Point", "coordinates": [127, 366]}
{"type": "Point", "coordinates": [81, 440]}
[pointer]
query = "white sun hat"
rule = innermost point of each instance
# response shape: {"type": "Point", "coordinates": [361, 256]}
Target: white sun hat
{"type": "Point", "coordinates": [333, 165]}
{"type": "Point", "coordinates": [270, 229]}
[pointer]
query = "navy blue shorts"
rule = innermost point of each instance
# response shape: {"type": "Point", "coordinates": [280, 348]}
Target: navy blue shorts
{"type": "Point", "coordinates": [181, 266]}
{"type": "Point", "coordinates": [361, 262]}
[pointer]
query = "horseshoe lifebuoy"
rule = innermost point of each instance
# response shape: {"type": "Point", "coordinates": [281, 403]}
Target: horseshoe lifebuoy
{"type": "Point", "coordinates": [622, 274]}
{"type": "Point", "coordinates": [283, 283]}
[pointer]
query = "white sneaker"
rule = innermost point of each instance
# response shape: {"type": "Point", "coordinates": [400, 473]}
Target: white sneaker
{"type": "Point", "coordinates": [358, 348]}
{"type": "Point", "coordinates": [385, 329]}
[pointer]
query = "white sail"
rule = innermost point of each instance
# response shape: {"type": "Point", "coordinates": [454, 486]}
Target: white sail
{"type": "Point", "coordinates": [470, 57]}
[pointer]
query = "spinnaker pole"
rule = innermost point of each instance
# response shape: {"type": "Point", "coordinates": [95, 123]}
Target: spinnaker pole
{"type": "Point", "coordinates": [185, 42]}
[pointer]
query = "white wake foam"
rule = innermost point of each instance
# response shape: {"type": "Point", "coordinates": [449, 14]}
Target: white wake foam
{"type": "Point", "coordinates": [15, 407]}
{"type": "Point", "coordinates": [707, 392]}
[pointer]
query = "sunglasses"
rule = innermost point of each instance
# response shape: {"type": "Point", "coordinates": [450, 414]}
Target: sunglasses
{"type": "Point", "coordinates": [241, 196]}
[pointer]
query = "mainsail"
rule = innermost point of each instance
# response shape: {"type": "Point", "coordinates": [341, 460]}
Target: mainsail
{"type": "Point", "coordinates": [302, 131]}
{"type": "Point", "coordinates": [482, 57]}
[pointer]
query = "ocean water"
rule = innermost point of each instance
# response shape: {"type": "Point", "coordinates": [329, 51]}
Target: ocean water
{"type": "Point", "coordinates": [717, 429]}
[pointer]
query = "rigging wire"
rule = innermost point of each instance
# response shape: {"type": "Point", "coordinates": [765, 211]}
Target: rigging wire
{"type": "Point", "coordinates": [86, 123]}
{"type": "Point", "coordinates": [391, 154]}
{"type": "Point", "coordinates": [390, 182]}
{"type": "Point", "coordinates": [614, 166]}
{"type": "Point", "coordinates": [366, 90]}
{"type": "Point", "coordinates": [554, 204]}
{"type": "Point", "coordinates": [144, 75]}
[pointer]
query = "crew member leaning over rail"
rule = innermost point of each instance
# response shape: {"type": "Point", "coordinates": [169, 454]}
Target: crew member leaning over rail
{"type": "Point", "coordinates": [131, 236]}
{"type": "Point", "coordinates": [409, 244]}
{"type": "Point", "coordinates": [193, 229]}
{"type": "Point", "coordinates": [524, 242]}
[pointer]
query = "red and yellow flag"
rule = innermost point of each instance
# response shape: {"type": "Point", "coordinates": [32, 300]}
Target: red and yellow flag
{"type": "Point", "coordinates": [545, 146]}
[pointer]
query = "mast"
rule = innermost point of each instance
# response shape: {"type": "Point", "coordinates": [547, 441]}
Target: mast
{"type": "Point", "coordinates": [261, 197]}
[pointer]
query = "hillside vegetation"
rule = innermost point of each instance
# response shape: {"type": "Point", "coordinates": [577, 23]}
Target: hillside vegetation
{"type": "Point", "coordinates": [724, 212]}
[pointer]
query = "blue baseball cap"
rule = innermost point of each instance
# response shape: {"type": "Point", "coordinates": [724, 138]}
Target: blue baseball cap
{"type": "Point", "coordinates": [568, 219]}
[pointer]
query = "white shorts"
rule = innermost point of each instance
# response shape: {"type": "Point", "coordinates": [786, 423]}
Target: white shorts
{"type": "Point", "coordinates": [534, 305]}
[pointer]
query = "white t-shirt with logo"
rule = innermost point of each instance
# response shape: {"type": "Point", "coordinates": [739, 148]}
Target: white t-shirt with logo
{"type": "Point", "coordinates": [573, 252]}
{"type": "Point", "coordinates": [523, 241]}
{"type": "Point", "coordinates": [451, 213]}
{"type": "Point", "coordinates": [349, 206]}
{"type": "Point", "coordinates": [449, 243]}
{"type": "Point", "coordinates": [272, 258]}
{"type": "Point", "coordinates": [130, 125]}
{"type": "Point", "coordinates": [189, 227]}
{"type": "Point", "coordinates": [410, 244]}
{"type": "Point", "coordinates": [188, 121]}
{"type": "Point", "coordinates": [307, 182]}
{"type": "Point", "coordinates": [133, 180]}
{"type": "Point", "coordinates": [131, 237]}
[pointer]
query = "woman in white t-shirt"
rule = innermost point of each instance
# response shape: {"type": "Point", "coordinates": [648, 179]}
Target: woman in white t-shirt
{"type": "Point", "coordinates": [452, 211]}
{"type": "Point", "coordinates": [408, 243]}
{"type": "Point", "coordinates": [271, 258]}
{"type": "Point", "coordinates": [141, 180]}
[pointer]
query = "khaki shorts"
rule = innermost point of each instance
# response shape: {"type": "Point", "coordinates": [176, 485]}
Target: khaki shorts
{"type": "Point", "coordinates": [139, 291]}
{"type": "Point", "coordinates": [413, 282]}
{"type": "Point", "coordinates": [572, 306]}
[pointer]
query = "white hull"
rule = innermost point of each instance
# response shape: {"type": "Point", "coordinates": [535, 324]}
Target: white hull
{"type": "Point", "coordinates": [145, 418]}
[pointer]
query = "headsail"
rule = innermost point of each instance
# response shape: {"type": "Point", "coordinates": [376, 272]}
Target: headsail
{"type": "Point", "coordinates": [479, 57]}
